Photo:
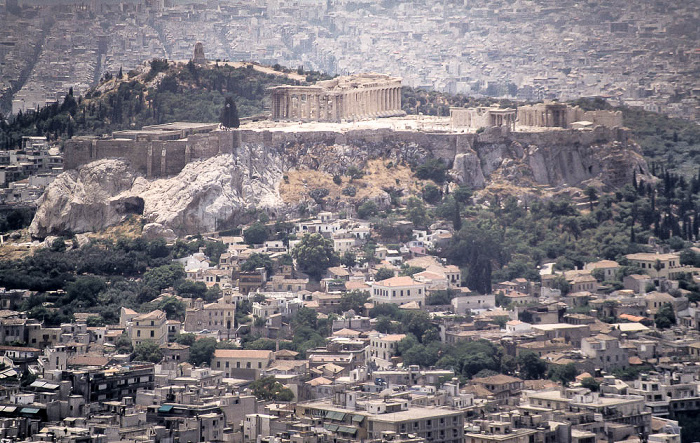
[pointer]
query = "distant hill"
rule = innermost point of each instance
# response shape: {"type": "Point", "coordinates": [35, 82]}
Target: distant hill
{"type": "Point", "coordinates": [157, 92]}
{"type": "Point", "coordinates": [163, 92]}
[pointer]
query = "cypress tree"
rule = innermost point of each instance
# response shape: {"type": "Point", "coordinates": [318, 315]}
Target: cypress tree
{"type": "Point", "coordinates": [229, 114]}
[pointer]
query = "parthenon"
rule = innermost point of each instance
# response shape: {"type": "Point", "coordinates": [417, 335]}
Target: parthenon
{"type": "Point", "coordinates": [346, 98]}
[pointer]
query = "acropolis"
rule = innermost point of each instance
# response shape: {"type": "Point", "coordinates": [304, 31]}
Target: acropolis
{"type": "Point", "coordinates": [346, 98]}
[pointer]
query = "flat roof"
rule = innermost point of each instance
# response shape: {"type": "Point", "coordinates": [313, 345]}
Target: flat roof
{"type": "Point", "coordinates": [414, 413]}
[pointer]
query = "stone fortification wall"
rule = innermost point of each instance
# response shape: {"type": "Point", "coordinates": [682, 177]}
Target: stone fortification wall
{"type": "Point", "coordinates": [609, 119]}
{"type": "Point", "coordinates": [552, 157]}
{"type": "Point", "coordinates": [158, 158]}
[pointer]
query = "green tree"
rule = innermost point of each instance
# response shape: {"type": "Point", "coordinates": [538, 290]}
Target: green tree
{"type": "Point", "coordinates": [315, 254]}
{"type": "Point", "coordinates": [367, 209]}
{"type": "Point", "coordinates": [306, 317]}
{"type": "Point", "coordinates": [202, 351]}
{"type": "Point", "coordinates": [416, 212]}
{"type": "Point", "coordinates": [383, 274]}
{"type": "Point", "coordinates": [433, 169]}
{"type": "Point", "coordinates": [563, 373]}
{"type": "Point", "coordinates": [190, 289]}
{"type": "Point", "coordinates": [531, 366]}
{"type": "Point", "coordinates": [478, 247]}
{"type": "Point", "coordinates": [123, 345]}
{"type": "Point", "coordinates": [174, 309]}
{"type": "Point", "coordinates": [354, 300]}
{"type": "Point", "coordinates": [185, 339]}
{"type": "Point", "coordinates": [164, 276]}
{"type": "Point", "coordinates": [214, 249]}
{"type": "Point", "coordinates": [148, 351]}
{"type": "Point", "coordinates": [84, 290]}
{"type": "Point", "coordinates": [256, 234]}
{"type": "Point", "coordinates": [319, 194]}
{"type": "Point", "coordinates": [665, 317]}
{"type": "Point", "coordinates": [431, 194]}
{"type": "Point", "coordinates": [58, 245]}
{"type": "Point", "coordinates": [590, 383]}
{"type": "Point", "coordinates": [354, 172]}
{"type": "Point", "coordinates": [410, 270]}
{"type": "Point", "coordinates": [463, 194]}
{"type": "Point", "coordinates": [349, 259]}
{"type": "Point", "coordinates": [562, 284]}
{"type": "Point", "coordinates": [257, 260]}
{"type": "Point", "coordinates": [269, 389]}
{"type": "Point", "coordinates": [592, 195]}
{"type": "Point", "coordinates": [229, 114]}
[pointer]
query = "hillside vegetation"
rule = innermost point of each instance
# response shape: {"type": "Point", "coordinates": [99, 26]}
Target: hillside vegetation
{"type": "Point", "coordinates": [161, 92]}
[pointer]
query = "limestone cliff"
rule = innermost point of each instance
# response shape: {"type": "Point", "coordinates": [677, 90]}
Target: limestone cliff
{"type": "Point", "coordinates": [221, 191]}
{"type": "Point", "coordinates": [205, 194]}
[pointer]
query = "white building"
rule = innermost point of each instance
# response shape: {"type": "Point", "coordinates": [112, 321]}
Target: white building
{"type": "Point", "coordinates": [398, 291]}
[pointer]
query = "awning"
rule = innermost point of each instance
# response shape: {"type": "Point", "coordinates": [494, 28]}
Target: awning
{"type": "Point", "coordinates": [330, 427]}
{"type": "Point", "coordinates": [165, 408]}
{"type": "Point", "coordinates": [333, 415]}
{"type": "Point", "coordinates": [347, 430]}
{"type": "Point", "coordinates": [358, 418]}
{"type": "Point", "coordinates": [29, 411]}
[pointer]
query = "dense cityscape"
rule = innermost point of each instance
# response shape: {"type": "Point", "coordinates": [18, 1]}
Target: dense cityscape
{"type": "Point", "coordinates": [633, 53]}
{"type": "Point", "coordinates": [338, 221]}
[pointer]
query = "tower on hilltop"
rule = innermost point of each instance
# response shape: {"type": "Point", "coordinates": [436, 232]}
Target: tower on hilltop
{"type": "Point", "coordinates": [199, 58]}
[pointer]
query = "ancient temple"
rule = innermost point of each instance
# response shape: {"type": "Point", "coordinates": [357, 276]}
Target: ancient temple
{"type": "Point", "coordinates": [545, 115]}
{"type": "Point", "coordinates": [560, 115]}
{"type": "Point", "coordinates": [482, 117]}
{"type": "Point", "coordinates": [353, 97]}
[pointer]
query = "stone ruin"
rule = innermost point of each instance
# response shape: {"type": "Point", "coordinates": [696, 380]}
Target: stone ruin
{"type": "Point", "coordinates": [198, 56]}
{"type": "Point", "coordinates": [345, 98]}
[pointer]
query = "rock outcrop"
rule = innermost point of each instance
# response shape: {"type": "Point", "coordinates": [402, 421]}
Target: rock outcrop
{"type": "Point", "coordinates": [203, 196]}
{"type": "Point", "coordinates": [86, 200]}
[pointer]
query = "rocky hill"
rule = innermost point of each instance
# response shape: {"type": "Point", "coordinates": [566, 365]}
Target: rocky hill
{"type": "Point", "coordinates": [279, 172]}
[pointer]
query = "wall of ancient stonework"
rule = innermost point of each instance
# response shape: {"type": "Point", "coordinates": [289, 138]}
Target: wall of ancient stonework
{"type": "Point", "coordinates": [168, 157]}
{"type": "Point", "coordinates": [610, 119]}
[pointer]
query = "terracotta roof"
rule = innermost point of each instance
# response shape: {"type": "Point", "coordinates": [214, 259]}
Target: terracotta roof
{"type": "Point", "coordinates": [174, 346]}
{"type": "Point", "coordinates": [355, 285]}
{"type": "Point", "coordinates": [635, 360]}
{"type": "Point", "coordinates": [88, 360]}
{"type": "Point", "coordinates": [319, 381]}
{"type": "Point", "coordinates": [339, 270]}
{"type": "Point", "coordinates": [399, 281]}
{"type": "Point", "coordinates": [497, 379]}
{"type": "Point", "coordinates": [153, 315]}
{"type": "Point", "coordinates": [423, 262]}
{"type": "Point", "coordinates": [19, 349]}
{"type": "Point", "coordinates": [241, 353]}
{"type": "Point", "coordinates": [345, 332]}
{"type": "Point", "coordinates": [286, 353]}
{"type": "Point", "coordinates": [392, 337]}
